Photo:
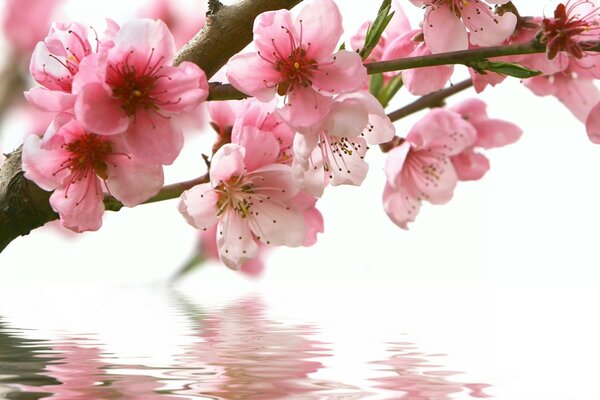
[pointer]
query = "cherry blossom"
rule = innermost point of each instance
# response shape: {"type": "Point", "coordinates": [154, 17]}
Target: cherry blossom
{"type": "Point", "coordinates": [447, 22]}
{"type": "Point", "coordinates": [54, 64]}
{"type": "Point", "coordinates": [295, 58]}
{"type": "Point", "coordinates": [471, 164]}
{"type": "Point", "coordinates": [76, 164]}
{"type": "Point", "coordinates": [420, 168]}
{"type": "Point", "coordinates": [249, 205]}
{"type": "Point", "coordinates": [130, 88]}
{"type": "Point", "coordinates": [333, 150]}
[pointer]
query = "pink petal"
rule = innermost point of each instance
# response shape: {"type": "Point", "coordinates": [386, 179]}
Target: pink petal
{"type": "Point", "coordinates": [305, 107]}
{"type": "Point", "coordinates": [41, 166]}
{"type": "Point", "coordinates": [346, 167]}
{"type": "Point", "coordinates": [444, 31]}
{"type": "Point", "coordinates": [320, 24]}
{"type": "Point", "coordinates": [394, 164]}
{"type": "Point", "coordinates": [422, 81]}
{"type": "Point", "coordinates": [149, 39]}
{"type": "Point", "coordinates": [278, 225]}
{"type": "Point", "coordinates": [50, 100]}
{"type": "Point", "coordinates": [347, 118]}
{"type": "Point", "coordinates": [592, 124]}
{"type": "Point", "coordinates": [99, 112]}
{"type": "Point", "coordinates": [132, 181]}
{"type": "Point", "coordinates": [470, 165]}
{"type": "Point", "coordinates": [487, 29]}
{"type": "Point", "coordinates": [80, 208]}
{"type": "Point", "coordinates": [314, 225]}
{"type": "Point", "coordinates": [273, 31]}
{"type": "Point", "coordinates": [227, 162]}
{"type": "Point", "coordinates": [472, 109]}
{"type": "Point", "coordinates": [182, 88]}
{"type": "Point", "coordinates": [400, 207]}
{"type": "Point", "coordinates": [252, 75]}
{"type": "Point", "coordinates": [199, 206]}
{"type": "Point", "coordinates": [493, 133]}
{"type": "Point", "coordinates": [309, 174]}
{"type": "Point", "coordinates": [341, 73]}
{"type": "Point", "coordinates": [261, 147]}
{"type": "Point", "coordinates": [443, 130]}
{"type": "Point", "coordinates": [379, 129]}
{"type": "Point", "coordinates": [275, 181]}
{"type": "Point", "coordinates": [429, 176]}
{"type": "Point", "coordinates": [154, 138]}
{"type": "Point", "coordinates": [223, 113]}
{"type": "Point", "coordinates": [235, 241]}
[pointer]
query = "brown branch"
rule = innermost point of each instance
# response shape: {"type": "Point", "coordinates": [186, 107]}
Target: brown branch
{"type": "Point", "coordinates": [24, 206]}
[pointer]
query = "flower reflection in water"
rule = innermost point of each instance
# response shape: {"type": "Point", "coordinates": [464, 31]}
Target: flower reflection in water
{"type": "Point", "coordinates": [418, 379]}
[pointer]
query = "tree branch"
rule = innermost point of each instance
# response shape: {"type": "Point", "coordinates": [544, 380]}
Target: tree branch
{"type": "Point", "coordinates": [24, 206]}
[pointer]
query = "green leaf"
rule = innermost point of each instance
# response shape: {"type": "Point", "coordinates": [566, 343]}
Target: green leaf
{"type": "Point", "coordinates": [390, 90]}
{"type": "Point", "coordinates": [504, 68]}
{"type": "Point", "coordinates": [376, 29]}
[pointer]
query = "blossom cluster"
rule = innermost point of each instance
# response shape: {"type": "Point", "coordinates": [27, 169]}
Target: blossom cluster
{"type": "Point", "coordinates": [311, 115]}
{"type": "Point", "coordinates": [113, 99]}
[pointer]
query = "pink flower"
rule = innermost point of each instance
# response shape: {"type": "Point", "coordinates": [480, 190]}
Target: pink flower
{"type": "Point", "coordinates": [333, 150]}
{"type": "Point", "coordinates": [418, 81]}
{"type": "Point", "coordinates": [446, 24]}
{"type": "Point", "coordinates": [470, 164]}
{"type": "Point", "coordinates": [131, 88]}
{"type": "Point", "coordinates": [76, 164]}
{"type": "Point", "coordinates": [25, 22]}
{"type": "Point", "coordinates": [294, 58]}
{"type": "Point", "coordinates": [420, 168]}
{"type": "Point", "coordinates": [249, 204]}
{"type": "Point", "coordinates": [54, 64]}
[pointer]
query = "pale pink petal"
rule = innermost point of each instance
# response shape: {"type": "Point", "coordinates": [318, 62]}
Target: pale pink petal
{"type": "Point", "coordinates": [305, 142]}
{"type": "Point", "coordinates": [199, 206]}
{"type": "Point", "coordinates": [181, 88]}
{"type": "Point", "coordinates": [43, 166]}
{"type": "Point", "coordinates": [274, 181]}
{"type": "Point", "coordinates": [341, 73]}
{"type": "Point", "coordinates": [80, 207]}
{"type": "Point", "coordinates": [154, 138]}
{"type": "Point", "coordinates": [314, 225]}
{"type": "Point", "coordinates": [347, 118]}
{"type": "Point", "coordinates": [486, 28]}
{"type": "Point", "coordinates": [472, 109]}
{"type": "Point", "coordinates": [98, 112]}
{"type": "Point", "coordinates": [379, 128]}
{"type": "Point", "coordinates": [132, 181]}
{"type": "Point", "coordinates": [422, 81]}
{"type": "Point", "coordinates": [399, 23]}
{"type": "Point", "coordinates": [305, 107]}
{"type": "Point", "coordinates": [443, 130]}
{"type": "Point", "coordinates": [578, 95]}
{"type": "Point", "coordinates": [278, 225]}
{"type": "Point", "coordinates": [444, 31]}
{"type": "Point", "coordinates": [50, 100]}
{"type": "Point", "coordinates": [309, 173]}
{"type": "Point", "coordinates": [429, 176]}
{"type": "Point", "coordinates": [227, 162]}
{"type": "Point", "coordinates": [394, 164]}
{"type": "Point", "coordinates": [235, 241]}
{"type": "Point", "coordinates": [493, 133]}
{"type": "Point", "coordinates": [224, 113]}
{"type": "Point", "coordinates": [143, 37]}
{"type": "Point", "coordinates": [592, 124]}
{"type": "Point", "coordinates": [320, 24]}
{"type": "Point", "coordinates": [481, 81]}
{"type": "Point", "coordinates": [252, 75]}
{"type": "Point", "coordinates": [261, 147]}
{"type": "Point", "coordinates": [273, 31]}
{"type": "Point", "coordinates": [470, 165]}
{"type": "Point", "coordinates": [400, 207]}
{"type": "Point", "coordinates": [541, 85]}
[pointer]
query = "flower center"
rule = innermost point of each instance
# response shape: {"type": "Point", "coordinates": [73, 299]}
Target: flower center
{"type": "Point", "coordinates": [235, 194]}
{"type": "Point", "coordinates": [564, 32]}
{"type": "Point", "coordinates": [296, 69]}
{"type": "Point", "coordinates": [455, 5]}
{"type": "Point", "coordinates": [133, 87]}
{"type": "Point", "coordinates": [88, 153]}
